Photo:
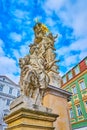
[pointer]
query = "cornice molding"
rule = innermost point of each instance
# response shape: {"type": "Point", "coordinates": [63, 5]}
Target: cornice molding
{"type": "Point", "coordinates": [11, 82]}
{"type": "Point", "coordinates": [58, 92]}
{"type": "Point", "coordinates": [73, 79]}
{"type": "Point", "coordinates": [7, 95]}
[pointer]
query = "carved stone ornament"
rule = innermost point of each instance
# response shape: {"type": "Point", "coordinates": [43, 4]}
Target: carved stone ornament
{"type": "Point", "coordinates": [39, 66]}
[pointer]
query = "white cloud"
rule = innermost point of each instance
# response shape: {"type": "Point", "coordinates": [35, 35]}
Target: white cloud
{"type": "Point", "coordinates": [83, 54]}
{"type": "Point", "coordinates": [50, 22]}
{"type": "Point", "coordinates": [63, 51]}
{"type": "Point", "coordinates": [24, 50]}
{"type": "Point", "coordinates": [1, 42]}
{"type": "Point", "coordinates": [13, 78]}
{"type": "Point", "coordinates": [72, 14]}
{"type": "Point", "coordinates": [79, 45]}
{"type": "Point", "coordinates": [21, 52]}
{"type": "Point", "coordinates": [8, 67]}
{"type": "Point", "coordinates": [53, 6]}
{"type": "Point", "coordinates": [71, 59]}
{"type": "Point", "coordinates": [20, 14]}
{"type": "Point", "coordinates": [16, 54]}
{"type": "Point", "coordinates": [15, 37]}
{"type": "Point", "coordinates": [1, 51]}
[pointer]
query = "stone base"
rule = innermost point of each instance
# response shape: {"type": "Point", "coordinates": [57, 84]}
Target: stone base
{"type": "Point", "coordinates": [27, 102]}
{"type": "Point", "coordinates": [27, 119]}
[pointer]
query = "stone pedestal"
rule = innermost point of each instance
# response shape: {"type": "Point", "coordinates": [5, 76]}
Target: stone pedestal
{"type": "Point", "coordinates": [25, 115]}
{"type": "Point", "coordinates": [27, 119]}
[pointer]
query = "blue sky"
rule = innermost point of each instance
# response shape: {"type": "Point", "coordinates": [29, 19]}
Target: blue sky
{"type": "Point", "coordinates": [67, 18]}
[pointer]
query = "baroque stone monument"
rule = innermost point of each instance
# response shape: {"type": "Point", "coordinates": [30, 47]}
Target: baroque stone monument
{"type": "Point", "coordinates": [38, 70]}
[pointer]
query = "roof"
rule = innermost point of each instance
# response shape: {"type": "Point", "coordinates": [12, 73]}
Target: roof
{"type": "Point", "coordinates": [74, 67]}
{"type": "Point", "coordinates": [82, 65]}
{"type": "Point", "coordinates": [9, 80]}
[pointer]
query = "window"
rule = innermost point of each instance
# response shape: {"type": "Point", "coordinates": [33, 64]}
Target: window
{"type": "Point", "coordinates": [74, 89]}
{"type": "Point", "coordinates": [77, 70]}
{"type": "Point", "coordinates": [82, 85]}
{"type": "Point", "coordinates": [86, 61]}
{"type": "Point", "coordinates": [1, 87]}
{"type": "Point", "coordinates": [86, 105]}
{"type": "Point", "coordinates": [3, 79]}
{"type": "Point", "coordinates": [10, 90]}
{"type": "Point", "coordinates": [79, 112]}
{"type": "Point", "coordinates": [71, 113]}
{"type": "Point", "coordinates": [8, 102]}
{"type": "Point", "coordinates": [18, 93]}
{"type": "Point", "coordinates": [70, 75]}
{"type": "Point", "coordinates": [64, 79]}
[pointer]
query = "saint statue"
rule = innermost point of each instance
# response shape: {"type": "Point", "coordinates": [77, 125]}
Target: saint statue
{"type": "Point", "coordinates": [38, 65]}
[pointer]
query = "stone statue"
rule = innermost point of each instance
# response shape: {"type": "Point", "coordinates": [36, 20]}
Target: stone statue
{"type": "Point", "coordinates": [38, 65]}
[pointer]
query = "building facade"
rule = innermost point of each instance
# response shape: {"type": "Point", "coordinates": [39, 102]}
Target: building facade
{"type": "Point", "coordinates": [75, 81]}
{"type": "Point", "coordinates": [8, 92]}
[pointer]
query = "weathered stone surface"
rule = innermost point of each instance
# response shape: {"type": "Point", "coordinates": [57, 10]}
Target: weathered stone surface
{"type": "Point", "coordinates": [39, 69]}
{"type": "Point", "coordinates": [30, 120]}
{"type": "Point", "coordinates": [28, 103]}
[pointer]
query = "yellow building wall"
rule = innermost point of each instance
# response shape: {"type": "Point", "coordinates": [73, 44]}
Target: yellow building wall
{"type": "Point", "coordinates": [59, 106]}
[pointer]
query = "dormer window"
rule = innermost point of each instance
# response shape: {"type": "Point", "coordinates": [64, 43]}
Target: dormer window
{"type": "Point", "coordinates": [64, 79]}
{"type": "Point", "coordinates": [69, 75]}
{"type": "Point", "coordinates": [76, 69]}
{"type": "Point", "coordinates": [86, 61]}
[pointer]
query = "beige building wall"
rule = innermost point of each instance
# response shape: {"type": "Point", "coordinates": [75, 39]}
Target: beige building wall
{"type": "Point", "coordinates": [57, 101]}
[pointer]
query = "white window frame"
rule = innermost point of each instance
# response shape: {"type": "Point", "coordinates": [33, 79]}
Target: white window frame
{"type": "Point", "coordinates": [64, 80]}
{"type": "Point", "coordinates": [1, 87]}
{"type": "Point", "coordinates": [77, 70]}
{"type": "Point", "coordinates": [74, 89]}
{"type": "Point", "coordinates": [82, 88]}
{"type": "Point", "coordinates": [70, 75]}
{"type": "Point", "coordinates": [71, 113]}
{"type": "Point", "coordinates": [10, 90]}
{"type": "Point", "coordinates": [8, 102]}
{"type": "Point", "coordinates": [79, 111]}
{"type": "Point", "coordinates": [86, 61]}
{"type": "Point", "coordinates": [85, 103]}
